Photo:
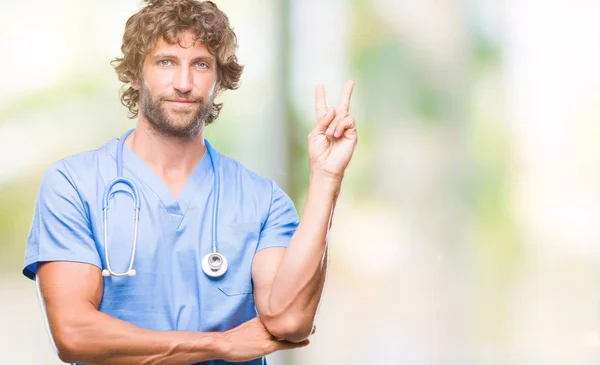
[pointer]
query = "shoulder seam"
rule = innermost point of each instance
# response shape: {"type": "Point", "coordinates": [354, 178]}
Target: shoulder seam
{"type": "Point", "coordinates": [270, 206]}
{"type": "Point", "coordinates": [72, 181]}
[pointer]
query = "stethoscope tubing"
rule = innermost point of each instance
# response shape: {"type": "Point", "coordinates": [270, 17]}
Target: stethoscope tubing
{"type": "Point", "coordinates": [208, 268]}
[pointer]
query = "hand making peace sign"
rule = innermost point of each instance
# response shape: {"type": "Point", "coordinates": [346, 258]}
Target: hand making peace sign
{"type": "Point", "coordinates": [333, 138]}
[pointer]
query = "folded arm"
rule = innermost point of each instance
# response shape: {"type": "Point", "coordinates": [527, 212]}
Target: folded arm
{"type": "Point", "coordinates": [71, 293]}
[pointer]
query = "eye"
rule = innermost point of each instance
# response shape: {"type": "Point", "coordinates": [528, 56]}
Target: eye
{"type": "Point", "coordinates": [164, 63]}
{"type": "Point", "coordinates": [202, 65]}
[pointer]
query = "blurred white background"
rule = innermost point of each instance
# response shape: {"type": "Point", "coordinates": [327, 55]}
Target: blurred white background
{"type": "Point", "coordinates": [468, 227]}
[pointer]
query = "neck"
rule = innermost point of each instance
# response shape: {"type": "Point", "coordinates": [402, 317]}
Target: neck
{"type": "Point", "coordinates": [171, 158]}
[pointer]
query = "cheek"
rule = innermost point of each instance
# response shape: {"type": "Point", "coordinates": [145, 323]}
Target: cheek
{"type": "Point", "coordinates": [209, 86]}
{"type": "Point", "coordinates": [212, 90]}
{"type": "Point", "coordinates": [150, 97]}
{"type": "Point", "coordinates": [156, 91]}
{"type": "Point", "coordinates": [158, 81]}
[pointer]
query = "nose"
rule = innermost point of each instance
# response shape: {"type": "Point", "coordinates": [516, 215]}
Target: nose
{"type": "Point", "coordinates": [183, 80]}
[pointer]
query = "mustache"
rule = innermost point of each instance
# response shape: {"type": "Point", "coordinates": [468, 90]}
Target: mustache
{"type": "Point", "coordinates": [187, 98]}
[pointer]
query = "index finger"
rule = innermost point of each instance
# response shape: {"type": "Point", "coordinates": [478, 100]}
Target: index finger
{"type": "Point", "coordinates": [320, 102]}
{"type": "Point", "coordinates": [346, 95]}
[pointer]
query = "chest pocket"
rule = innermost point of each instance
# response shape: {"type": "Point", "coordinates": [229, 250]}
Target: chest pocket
{"type": "Point", "coordinates": [238, 243]}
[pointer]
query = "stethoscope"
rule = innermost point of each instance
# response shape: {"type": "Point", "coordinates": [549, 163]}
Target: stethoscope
{"type": "Point", "coordinates": [214, 264]}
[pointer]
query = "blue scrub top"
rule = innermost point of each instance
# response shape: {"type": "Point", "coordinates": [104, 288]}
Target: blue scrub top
{"type": "Point", "coordinates": [170, 290]}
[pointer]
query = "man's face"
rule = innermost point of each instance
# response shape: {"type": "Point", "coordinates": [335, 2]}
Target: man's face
{"type": "Point", "coordinates": [179, 86]}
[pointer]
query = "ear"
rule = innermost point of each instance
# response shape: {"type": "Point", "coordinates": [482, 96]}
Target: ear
{"type": "Point", "coordinates": [135, 85]}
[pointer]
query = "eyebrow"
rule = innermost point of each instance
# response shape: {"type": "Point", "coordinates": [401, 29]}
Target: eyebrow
{"type": "Point", "coordinates": [160, 56]}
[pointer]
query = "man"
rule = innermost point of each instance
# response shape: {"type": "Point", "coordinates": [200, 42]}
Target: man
{"type": "Point", "coordinates": [160, 286]}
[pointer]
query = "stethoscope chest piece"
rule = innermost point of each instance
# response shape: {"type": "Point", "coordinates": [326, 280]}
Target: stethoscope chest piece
{"type": "Point", "coordinates": [214, 265]}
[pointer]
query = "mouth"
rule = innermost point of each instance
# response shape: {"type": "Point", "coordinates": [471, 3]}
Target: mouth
{"type": "Point", "coordinates": [182, 103]}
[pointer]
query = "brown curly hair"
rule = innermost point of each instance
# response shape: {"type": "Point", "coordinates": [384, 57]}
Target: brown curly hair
{"type": "Point", "coordinates": [168, 19]}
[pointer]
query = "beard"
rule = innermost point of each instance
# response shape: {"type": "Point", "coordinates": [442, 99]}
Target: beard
{"type": "Point", "coordinates": [175, 122]}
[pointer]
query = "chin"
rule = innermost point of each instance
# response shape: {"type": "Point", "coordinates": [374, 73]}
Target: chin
{"type": "Point", "coordinates": [187, 128]}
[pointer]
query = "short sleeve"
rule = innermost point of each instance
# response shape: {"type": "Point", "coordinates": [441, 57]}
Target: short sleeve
{"type": "Point", "coordinates": [60, 228]}
{"type": "Point", "coordinates": [281, 222]}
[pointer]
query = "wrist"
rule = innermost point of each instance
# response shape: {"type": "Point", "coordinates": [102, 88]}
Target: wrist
{"type": "Point", "coordinates": [325, 177]}
{"type": "Point", "coordinates": [220, 344]}
{"type": "Point", "coordinates": [320, 183]}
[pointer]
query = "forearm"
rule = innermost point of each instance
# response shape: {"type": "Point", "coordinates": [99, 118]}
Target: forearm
{"type": "Point", "coordinates": [298, 283]}
{"type": "Point", "coordinates": [92, 337]}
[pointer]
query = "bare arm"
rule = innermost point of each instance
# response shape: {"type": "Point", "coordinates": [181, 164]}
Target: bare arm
{"type": "Point", "coordinates": [72, 293]}
{"type": "Point", "coordinates": [288, 283]}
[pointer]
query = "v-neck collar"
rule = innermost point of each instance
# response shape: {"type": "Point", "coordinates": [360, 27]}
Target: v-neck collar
{"type": "Point", "coordinates": [176, 207]}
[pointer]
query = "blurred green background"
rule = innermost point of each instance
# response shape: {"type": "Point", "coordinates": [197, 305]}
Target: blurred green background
{"type": "Point", "coordinates": [468, 228]}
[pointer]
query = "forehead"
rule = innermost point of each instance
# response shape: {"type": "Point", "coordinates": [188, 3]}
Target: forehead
{"type": "Point", "coordinates": [184, 45]}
